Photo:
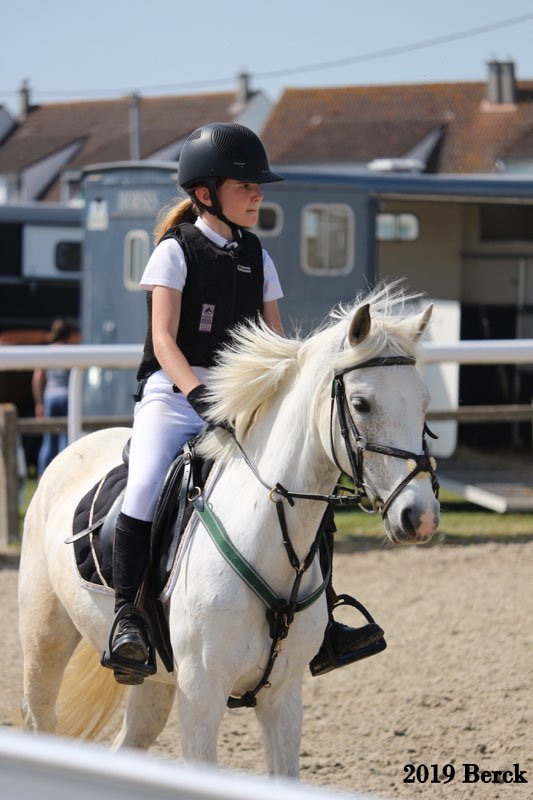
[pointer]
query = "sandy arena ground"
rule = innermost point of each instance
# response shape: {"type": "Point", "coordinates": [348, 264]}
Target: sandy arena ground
{"type": "Point", "coordinates": [453, 687]}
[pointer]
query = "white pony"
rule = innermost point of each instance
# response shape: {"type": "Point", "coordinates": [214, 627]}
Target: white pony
{"type": "Point", "coordinates": [276, 393]}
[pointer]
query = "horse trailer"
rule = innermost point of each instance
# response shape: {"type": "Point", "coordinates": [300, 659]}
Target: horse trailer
{"type": "Point", "coordinates": [40, 263]}
{"type": "Point", "coordinates": [466, 242]}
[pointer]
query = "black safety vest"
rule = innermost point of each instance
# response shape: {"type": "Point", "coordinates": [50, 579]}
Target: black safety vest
{"type": "Point", "coordinates": [224, 286]}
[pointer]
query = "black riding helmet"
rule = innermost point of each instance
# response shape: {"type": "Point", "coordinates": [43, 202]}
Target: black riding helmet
{"type": "Point", "coordinates": [222, 150]}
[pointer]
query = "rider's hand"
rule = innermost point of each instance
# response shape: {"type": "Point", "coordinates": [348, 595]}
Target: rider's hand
{"type": "Point", "coordinates": [197, 398]}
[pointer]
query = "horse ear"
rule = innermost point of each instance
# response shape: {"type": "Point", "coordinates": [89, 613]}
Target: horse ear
{"type": "Point", "coordinates": [421, 321]}
{"type": "Point", "coordinates": [360, 325]}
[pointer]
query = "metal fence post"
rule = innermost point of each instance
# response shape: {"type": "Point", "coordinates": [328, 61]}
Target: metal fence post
{"type": "Point", "coordinates": [75, 391]}
{"type": "Point", "coordinates": [8, 474]}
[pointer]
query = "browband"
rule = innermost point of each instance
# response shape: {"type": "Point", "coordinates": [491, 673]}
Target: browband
{"type": "Point", "coordinates": [383, 361]}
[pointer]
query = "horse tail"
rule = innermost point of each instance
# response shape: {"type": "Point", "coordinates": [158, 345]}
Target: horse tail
{"type": "Point", "coordinates": [88, 697]}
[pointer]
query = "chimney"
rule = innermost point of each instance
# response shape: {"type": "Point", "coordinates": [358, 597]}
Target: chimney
{"type": "Point", "coordinates": [135, 127]}
{"type": "Point", "coordinates": [243, 88]}
{"type": "Point", "coordinates": [24, 99]}
{"type": "Point", "coordinates": [501, 86]}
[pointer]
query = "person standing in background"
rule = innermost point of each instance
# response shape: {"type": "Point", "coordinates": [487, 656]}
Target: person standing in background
{"type": "Point", "coordinates": [50, 395]}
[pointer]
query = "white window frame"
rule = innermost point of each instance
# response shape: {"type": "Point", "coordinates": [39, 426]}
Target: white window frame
{"type": "Point", "coordinates": [350, 254]}
{"type": "Point", "coordinates": [276, 230]}
{"type": "Point", "coordinates": [39, 250]}
{"type": "Point", "coordinates": [396, 215]}
{"type": "Point", "coordinates": [136, 234]}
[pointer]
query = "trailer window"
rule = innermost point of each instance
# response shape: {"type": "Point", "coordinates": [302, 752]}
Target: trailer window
{"type": "Point", "coordinates": [68, 256]}
{"type": "Point", "coordinates": [270, 221]}
{"type": "Point", "coordinates": [328, 233]}
{"type": "Point", "coordinates": [397, 227]}
{"type": "Point", "coordinates": [136, 254]}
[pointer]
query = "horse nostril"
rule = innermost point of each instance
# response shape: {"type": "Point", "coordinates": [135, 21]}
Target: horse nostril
{"type": "Point", "coordinates": [407, 522]}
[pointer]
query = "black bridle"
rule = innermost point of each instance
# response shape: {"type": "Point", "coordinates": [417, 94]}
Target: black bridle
{"type": "Point", "coordinates": [423, 462]}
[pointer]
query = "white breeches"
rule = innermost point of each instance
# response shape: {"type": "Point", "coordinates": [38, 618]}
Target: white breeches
{"type": "Point", "coordinates": [163, 421]}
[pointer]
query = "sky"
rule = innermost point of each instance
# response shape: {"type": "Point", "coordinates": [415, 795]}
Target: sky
{"type": "Point", "coordinates": [108, 48]}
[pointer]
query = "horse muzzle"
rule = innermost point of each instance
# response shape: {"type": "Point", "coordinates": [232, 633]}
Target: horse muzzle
{"type": "Point", "coordinates": [413, 525]}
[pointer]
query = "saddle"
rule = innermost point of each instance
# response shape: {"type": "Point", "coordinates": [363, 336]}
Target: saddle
{"type": "Point", "coordinates": [94, 527]}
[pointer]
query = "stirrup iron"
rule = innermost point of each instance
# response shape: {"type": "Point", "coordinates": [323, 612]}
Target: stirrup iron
{"type": "Point", "coordinates": [127, 667]}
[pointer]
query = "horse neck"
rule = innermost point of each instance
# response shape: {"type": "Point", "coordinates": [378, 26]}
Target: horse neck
{"type": "Point", "coordinates": [287, 449]}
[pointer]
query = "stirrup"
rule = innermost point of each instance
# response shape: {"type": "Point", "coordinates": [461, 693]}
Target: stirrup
{"type": "Point", "coordinates": [327, 659]}
{"type": "Point", "coordinates": [128, 671]}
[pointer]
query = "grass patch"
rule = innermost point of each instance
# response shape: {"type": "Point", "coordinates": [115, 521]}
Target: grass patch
{"type": "Point", "coordinates": [461, 523]}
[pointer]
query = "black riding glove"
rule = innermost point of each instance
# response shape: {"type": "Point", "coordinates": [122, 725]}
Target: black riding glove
{"type": "Point", "coordinates": [198, 400]}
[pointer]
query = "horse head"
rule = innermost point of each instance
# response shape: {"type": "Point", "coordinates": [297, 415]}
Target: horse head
{"type": "Point", "coordinates": [266, 387]}
{"type": "Point", "coordinates": [381, 405]}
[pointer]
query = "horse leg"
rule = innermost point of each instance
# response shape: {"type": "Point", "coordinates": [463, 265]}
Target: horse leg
{"type": "Point", "coordinates": [147, 709]}
{"type": "Point", "coordinates": [48, 638]}
{"type": "Point", "coordinates": [280, 715]}
{"type": "Point", "coordinates": [201, 705]}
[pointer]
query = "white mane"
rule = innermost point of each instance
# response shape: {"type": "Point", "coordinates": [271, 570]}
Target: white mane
{"type": "Point", "coordinates": [258, 363]}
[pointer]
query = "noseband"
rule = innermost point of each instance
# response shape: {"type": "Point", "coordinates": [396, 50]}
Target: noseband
{"type": "Point", "coordinates": [421, 462]}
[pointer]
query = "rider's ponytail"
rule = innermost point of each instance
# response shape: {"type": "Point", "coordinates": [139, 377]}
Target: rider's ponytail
{"type": "Point", "coordinates": [184, 211]}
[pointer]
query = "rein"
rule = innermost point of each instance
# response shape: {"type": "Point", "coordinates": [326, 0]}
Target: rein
{"type": "Point", "coordinates": [280, 613]}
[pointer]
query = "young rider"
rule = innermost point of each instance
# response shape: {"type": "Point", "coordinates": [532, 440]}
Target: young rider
{"type": "Point", "coordinates": [207, 273]}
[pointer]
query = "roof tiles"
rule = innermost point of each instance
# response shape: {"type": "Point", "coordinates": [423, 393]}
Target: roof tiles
{"type": "Point", "coordinates": [359, 123]}
{"type": "Point", "coordinates": [102, 126]}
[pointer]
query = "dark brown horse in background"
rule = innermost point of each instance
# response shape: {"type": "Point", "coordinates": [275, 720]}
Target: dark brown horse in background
{"type": "Point", "coordinates": [15, 385]}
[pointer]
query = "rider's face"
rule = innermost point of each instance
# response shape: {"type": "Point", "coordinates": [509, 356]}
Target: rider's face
{"type": "Point", "coordinates": [240, 201]}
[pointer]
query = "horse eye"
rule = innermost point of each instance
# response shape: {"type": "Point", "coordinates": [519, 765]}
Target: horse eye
{"type": "Point", "coordinates": [361, 404]}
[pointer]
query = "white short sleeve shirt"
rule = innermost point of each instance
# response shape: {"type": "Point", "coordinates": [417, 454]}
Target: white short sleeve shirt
{"type": "Point", "coordinates": [167, 266]}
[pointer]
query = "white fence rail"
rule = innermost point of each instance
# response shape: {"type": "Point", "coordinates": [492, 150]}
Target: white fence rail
{"type": "Point", "coordinates": [50, 768]}
{"type": "Point", "coordinates": [127, 356]}
{"type": "Point", "coordinates": [77, 358]}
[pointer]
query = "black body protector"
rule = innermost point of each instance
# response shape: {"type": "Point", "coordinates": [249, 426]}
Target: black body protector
{"type": "Point", "coordinates": [224, 286]}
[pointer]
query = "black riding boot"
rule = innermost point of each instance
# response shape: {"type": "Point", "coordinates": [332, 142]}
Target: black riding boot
{"type": "Point", "coordinates": [342, 644]}
{"type": "Point", "coordinates": [130, 560]}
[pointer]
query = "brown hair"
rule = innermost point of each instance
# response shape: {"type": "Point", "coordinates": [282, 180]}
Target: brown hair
{"type": "Point", "coordinates": [184, 211]}
{"type": "Point", "coordinates": [61, 330]}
